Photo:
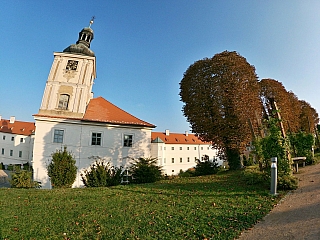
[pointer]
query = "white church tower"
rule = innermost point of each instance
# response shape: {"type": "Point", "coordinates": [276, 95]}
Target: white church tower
{"type": "Point", "coordinates": [69, 84]}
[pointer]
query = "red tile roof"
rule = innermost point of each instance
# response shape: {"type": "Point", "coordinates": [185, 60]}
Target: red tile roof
{"type": "Point", "coordinates": [177, 138]}
{"type": "Point", "coordinates": [18, 127]}
{"type": "Point", "coordinates": [101, 110]}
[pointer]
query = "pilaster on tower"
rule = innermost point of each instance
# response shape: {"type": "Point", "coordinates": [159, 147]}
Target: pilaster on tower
{"type": "Point", "coordinates": [68, 88]}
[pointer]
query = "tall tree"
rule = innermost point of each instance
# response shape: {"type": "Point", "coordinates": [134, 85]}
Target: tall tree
{"type": "Point", "coordinates": [308, 117]}
{"type": "Point", "coordinates": [273, 90]}
{"type": "Point", "coordinates": [220, 94]}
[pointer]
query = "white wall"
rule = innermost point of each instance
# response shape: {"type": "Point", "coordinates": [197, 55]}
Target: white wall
{"type": "Point", "coordinates": [165, 153]}
{"type": "Point", "coordinates": [7, 144]}
{"type": "Point", "coordinates": [77, 138]}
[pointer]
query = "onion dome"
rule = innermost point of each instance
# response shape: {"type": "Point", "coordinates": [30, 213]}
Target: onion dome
{"type": "Point", "coordinates": [82, 46]}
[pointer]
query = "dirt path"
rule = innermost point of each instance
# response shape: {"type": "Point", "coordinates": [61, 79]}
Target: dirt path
{"type": "Point", "coordinates": [297, 216]}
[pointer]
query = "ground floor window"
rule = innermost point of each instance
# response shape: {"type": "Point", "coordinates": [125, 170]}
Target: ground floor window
{"type": "Point", "coordinates": [96, 139]}
{"type": "Point", "coordinates": [127, 140]}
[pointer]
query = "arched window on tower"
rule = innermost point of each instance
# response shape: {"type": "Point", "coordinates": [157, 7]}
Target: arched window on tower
{"type": "Point", "coordinates": [63, 101]}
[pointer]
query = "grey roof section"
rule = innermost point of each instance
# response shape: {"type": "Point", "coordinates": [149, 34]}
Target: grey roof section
{"type": "Point", "coordinates": [82, 46]}
{"type": "Point", "coordinates": [157, 140]}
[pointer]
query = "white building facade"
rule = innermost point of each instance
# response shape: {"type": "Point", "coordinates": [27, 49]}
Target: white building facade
{"type": "Point", "coordinates": [177, 151]}
{"type": "Point", "coordinates": [16, 141]}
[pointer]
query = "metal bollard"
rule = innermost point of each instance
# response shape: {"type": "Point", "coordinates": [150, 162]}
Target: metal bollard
{"type": "Point", "coordinates": [274, 175]}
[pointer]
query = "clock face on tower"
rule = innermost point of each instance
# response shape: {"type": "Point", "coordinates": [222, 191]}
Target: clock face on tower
{"type": "Point", "coordinates": [72, 65]}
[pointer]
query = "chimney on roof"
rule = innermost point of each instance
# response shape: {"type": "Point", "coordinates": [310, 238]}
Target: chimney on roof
{"type": "Point", "coordinates": [167, 132]}
{"type": "Point", "coordinates": [12, 119]}
{"type": "Point", "coordinates": [186, 133]}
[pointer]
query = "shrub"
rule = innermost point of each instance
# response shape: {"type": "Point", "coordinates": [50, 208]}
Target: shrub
{"type": "Point", "coordinates": [302, 144]}
{"type": "Point", "coordinates": [23, 179]}
{"type": "Point", "coordinates": [287, 182]}
{"type": "Point", "coordinates": [206, 167]}
{"type": "Point", "coordinates": [252, 176]}
{"type": "Point", "coordinates": [102, 174]}
{"type": "Point", "coordinates": [62, 170]}
{"type": "Point", "coordinates": [145, 170]}
{"type": "Point", "coordinates": [187, 173]}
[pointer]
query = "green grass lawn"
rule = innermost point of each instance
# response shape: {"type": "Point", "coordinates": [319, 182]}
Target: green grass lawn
{"type": "Point", "coordinates": [212, 207]}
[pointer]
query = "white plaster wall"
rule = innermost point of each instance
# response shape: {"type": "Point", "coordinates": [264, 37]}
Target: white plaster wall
{"type": "Point", "coordinates": [165, 153]}
{"type": "Point", "coordinates": [77, 138]}
{"type": "Point", "coordinates": [16, 146]}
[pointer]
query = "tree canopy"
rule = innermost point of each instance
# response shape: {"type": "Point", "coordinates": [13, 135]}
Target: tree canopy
{"type": "Point", "coordinates": [220, 94]}
{"type": "Point", "coordinates": [225, 104]}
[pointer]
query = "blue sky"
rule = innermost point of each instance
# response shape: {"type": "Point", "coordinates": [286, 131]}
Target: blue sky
{"type": "Point", "coordinates": [144, 47]}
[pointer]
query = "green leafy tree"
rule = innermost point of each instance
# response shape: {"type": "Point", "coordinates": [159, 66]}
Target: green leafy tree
{"type": "Point", "coordinates": [62, 170]}
{"type": "Point", "coordinates": [102, 174]}
{"type": "Point", "coordinates": [145, 170]}
{"type": "Point", "coordinates": [220, 94]}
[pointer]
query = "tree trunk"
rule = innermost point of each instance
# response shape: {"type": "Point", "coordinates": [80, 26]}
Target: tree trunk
{"type": "Point", "coordinates": [233, 156]}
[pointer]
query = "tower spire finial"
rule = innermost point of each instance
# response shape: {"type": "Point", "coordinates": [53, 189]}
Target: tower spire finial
{"type": "Point", "coordinates": [91, 21]}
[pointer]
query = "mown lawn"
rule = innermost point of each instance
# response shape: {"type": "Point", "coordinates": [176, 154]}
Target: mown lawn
{"type": "Point", "coordinates": [213, 207]}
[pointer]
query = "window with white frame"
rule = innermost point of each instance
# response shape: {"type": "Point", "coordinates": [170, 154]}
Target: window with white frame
{"type": "Point", "coordinates": [11, 153]}
{"type": "Point", "coordinates": [12, 138]}
{"type": "Point", "coordinates": [172, 148]}
{"type": "Point", "coordinates": [187, 148]}
{"type": "Point", "coordinates": [2, 151]}
{"type": "Point", "coordinates": [201, 148]}
{"type": "Point", "coordinates": [127, 140]}
{"type": "Point", "coordinates": [188, 159]}
{"type": "Point", "coordinates": [180, 148]}
{"type": "Point", "coordinates": [3, 137]}
{"type": "Point", "coordinates": [172, 160]}
{"type": "Point", "coordinates": [195, 148]}
{"type": "Point", "coordinates": [181, 160]}
{"type": "Point", "coordinates": [21, 140]}
{"type": "Point", "coordinates": [96, 139]}
{"type": "Point", "coordinates": [58, 135]}
{"type": "Point", "coordinates": [20, 154]}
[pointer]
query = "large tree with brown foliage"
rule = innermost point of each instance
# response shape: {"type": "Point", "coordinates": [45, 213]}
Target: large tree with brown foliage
{"type": "Point", "coordinates": [288, 104]}
{"type": "Point", "coordinates": [308, 117]}
{"type": "Point", "coordinates": [220, 94]}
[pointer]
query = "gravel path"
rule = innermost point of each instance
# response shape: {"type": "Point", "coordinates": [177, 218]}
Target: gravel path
{"type": "Point", "coordinates": [297, 216]}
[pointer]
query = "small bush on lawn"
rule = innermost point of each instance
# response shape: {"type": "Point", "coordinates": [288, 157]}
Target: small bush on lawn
{"type": "Point", "coordinates": [206, 167]}
{"type": "Point", "coordinates": [102, 174]}
{"type": "Point", "coordinates": [145, 170]}
{"type": "Point", "coordinates": [187, 173]}
{"type": "Point", "coordinates": [252, 175]}
{"type": "Point", "coordinates": [287, 182]}
{"type": "Point", "coordinates": [23, 179]}
{"type": "Point", "coordinates": [62, 170]}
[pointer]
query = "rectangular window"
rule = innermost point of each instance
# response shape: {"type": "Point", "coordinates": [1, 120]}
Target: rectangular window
{"type": "Point", "coordinates": [3, 137]}
{"type": "Point", "coordinates": [172, 148]}
{"type": "Point", "coordinates": [12, 138]}
{"type": "Point", "coordinates": [20, 154]}
{"type": "Point", "coordinates": [96, 139]}
{"type": "Point", "coordinates": [195, 159]}
{"type": "Point", "coordinates": [195, 148]}
{"type": "Point", "coordinates": [164, 148]}
{"type": "Point", "coordinates": [2, 151]}
{"type": "Point", "coordinates": [187, 148]}
{"type": "Point", "coordinates": [180, 148]}
{"type": "Point", "coordinates": [58, 136]}
{"type": "Point", "coordinates": [201, 148]}
{"type": "Point", "coordinates": [11, 153]}
{"type": "Point", "coordinates": [127, 140]}
{"type": "Point", "coordinates": [21, 140]}
{"type": "Point", "coordinates": [181, 160]}
{"type": "Point", "coordinates": [188, 159]}
{"type": "Point", "coordinates": [172, 160]}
